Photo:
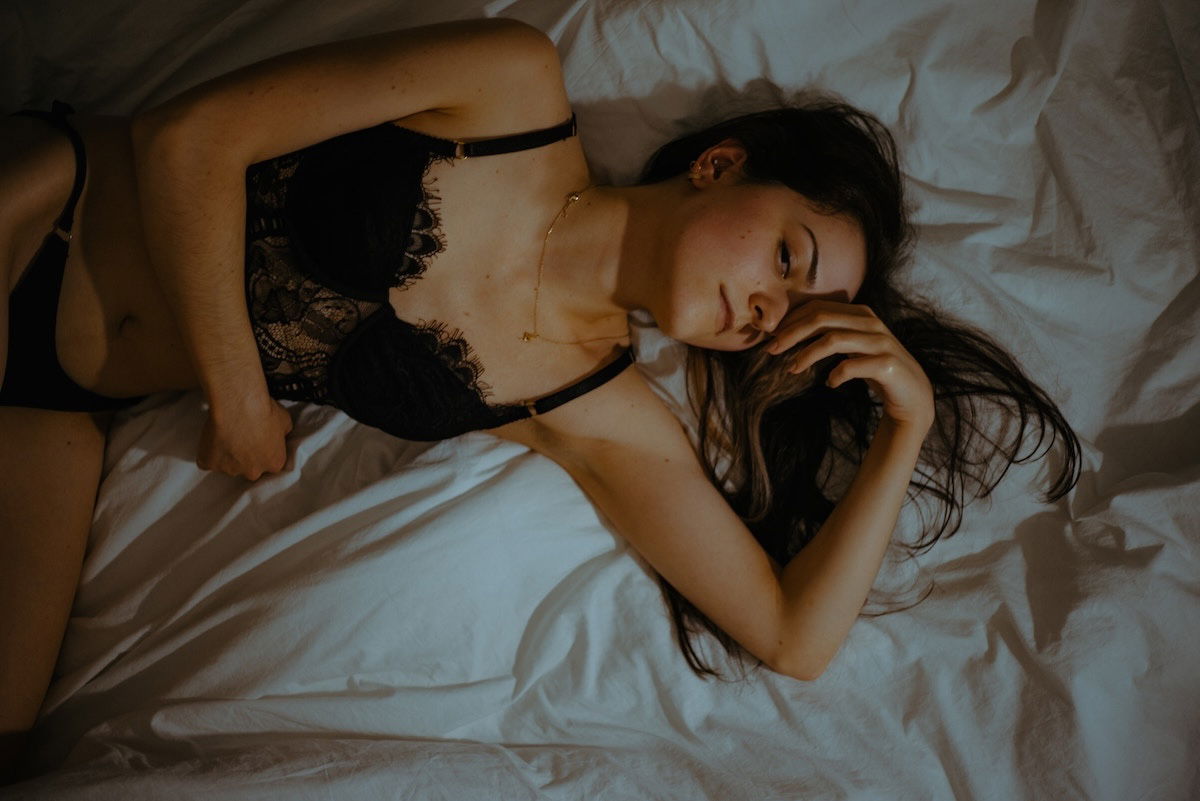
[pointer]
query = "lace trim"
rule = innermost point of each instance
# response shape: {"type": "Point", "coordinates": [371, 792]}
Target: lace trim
{"type": "Point", "coordinates": [425, 239]}
{"type": "Point", "coordinates": [455, 353]}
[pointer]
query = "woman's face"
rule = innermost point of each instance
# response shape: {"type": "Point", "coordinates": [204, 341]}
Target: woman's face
{"type": "Point", "coordinates": [745, 254]}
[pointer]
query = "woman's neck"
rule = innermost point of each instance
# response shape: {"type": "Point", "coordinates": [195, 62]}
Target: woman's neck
{"type": "Point", "coordinates": [600, 260]}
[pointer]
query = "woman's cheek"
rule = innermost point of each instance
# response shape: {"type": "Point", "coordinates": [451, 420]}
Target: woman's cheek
{"type": "Point", "coordinates": [692, 322]}
{"type": "Point", "coordinates": [672, 315]}
{"type": "Point", "coordinates": [691, 300]}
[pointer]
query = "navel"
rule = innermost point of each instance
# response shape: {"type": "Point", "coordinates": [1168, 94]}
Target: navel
{"type": "Point", "coordinates": [128, 320]}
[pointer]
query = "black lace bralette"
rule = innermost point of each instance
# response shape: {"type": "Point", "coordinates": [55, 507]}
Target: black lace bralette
{"type": "Point", "coordinates": [329, 230]}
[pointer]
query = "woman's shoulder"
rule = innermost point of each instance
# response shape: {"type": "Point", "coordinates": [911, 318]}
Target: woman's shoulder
{"type": "Point", "coordinates": [622, 414]}
{"type": "Point", "coordinates": [525, 91]}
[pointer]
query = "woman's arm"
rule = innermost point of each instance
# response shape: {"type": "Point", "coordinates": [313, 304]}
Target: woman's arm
{"type": "Point", "coordinates": [635, 462]}
{"type": "Point", "coordinates": [632, 457]}
{"type": "Point", "coordinates": [191, 155]}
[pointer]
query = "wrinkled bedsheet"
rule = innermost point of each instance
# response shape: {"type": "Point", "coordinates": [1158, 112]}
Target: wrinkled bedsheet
{"type": "Point", "coordinates": [455, 621]}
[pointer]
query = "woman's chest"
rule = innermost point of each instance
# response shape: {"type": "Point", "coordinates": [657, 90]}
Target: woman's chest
{"type": "Point", "coordinates": [453, 247]}
{"type": "Point", "coordinates": [479, 236]}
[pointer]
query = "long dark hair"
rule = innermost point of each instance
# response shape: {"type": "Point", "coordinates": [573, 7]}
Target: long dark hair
{"type": "Point", "coordinates": [771, 443]}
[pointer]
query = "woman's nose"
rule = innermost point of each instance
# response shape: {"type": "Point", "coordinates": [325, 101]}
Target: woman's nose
{"type": "Point", "coordinates": [767, 311]}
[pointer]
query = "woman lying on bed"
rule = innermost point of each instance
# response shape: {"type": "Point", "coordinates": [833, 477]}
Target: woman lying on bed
{"type": "Point", "coordinates": [405, 227]}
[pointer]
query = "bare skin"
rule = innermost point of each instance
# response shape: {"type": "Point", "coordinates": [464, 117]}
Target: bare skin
{"type": "Point", "coordinates": [709, 255]}
{"type": "Point", "coordinates": [53, 458]}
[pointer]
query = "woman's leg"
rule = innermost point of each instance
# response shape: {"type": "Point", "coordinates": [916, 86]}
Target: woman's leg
{"type": "Point", "coordinates": [51, 464]}
{"type": "Point", "coordinates": [50, 461]}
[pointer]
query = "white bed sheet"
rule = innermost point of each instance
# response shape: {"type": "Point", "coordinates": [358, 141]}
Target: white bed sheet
{"type": "Point", "coordinates": [394, 620]}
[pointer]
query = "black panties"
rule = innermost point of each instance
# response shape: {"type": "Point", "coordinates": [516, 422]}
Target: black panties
{"type": "Point", "coordinates": [32, 375]}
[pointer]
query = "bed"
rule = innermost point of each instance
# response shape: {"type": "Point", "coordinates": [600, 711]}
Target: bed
{"type": "Point", "coordinates": [397, 620]}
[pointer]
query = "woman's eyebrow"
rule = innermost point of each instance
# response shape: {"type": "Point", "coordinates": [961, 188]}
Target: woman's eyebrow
{"type": "Point", "coordinates": [811, 278]}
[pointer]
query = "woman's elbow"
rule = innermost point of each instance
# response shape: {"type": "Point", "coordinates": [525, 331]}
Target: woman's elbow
{"type": "Point", "coordinates": [522, 39]}
{"type": "Point", "coordinates": [154, 134]}
{"type": "Point", "coordinates": [182, 123]}
{"type": "Point", "coordinates": [174, 141]}
{"type": "Point", "coordinates": [797, 664]}
{"type": "Point", "coordinates": [151, 123]}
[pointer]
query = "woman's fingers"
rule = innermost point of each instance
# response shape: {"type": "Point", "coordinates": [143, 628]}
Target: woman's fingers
{"type": "Point", "coordinates": [818, 316]}
{"type": "Point", "coordinates": [899, 382]}
{"type": "Point", "coordinates": [872, 350]}
{"type": "Point", "coordinates": [840, 341]}
{"type": "Point", "coordinates": [249, 446]}
{"type": "Point", "coordinates": [873, 368]}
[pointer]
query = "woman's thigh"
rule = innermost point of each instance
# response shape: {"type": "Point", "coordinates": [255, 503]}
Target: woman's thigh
{"type": "Point", "coordinates": [50, 470]}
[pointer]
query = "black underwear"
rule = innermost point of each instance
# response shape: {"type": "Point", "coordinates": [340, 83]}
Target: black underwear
{"type": "Point", "coordinates": [33, 376]}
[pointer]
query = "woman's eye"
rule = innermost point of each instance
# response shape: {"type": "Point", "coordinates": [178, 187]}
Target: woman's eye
{"type": "Point", "coordinates": [786, 257]}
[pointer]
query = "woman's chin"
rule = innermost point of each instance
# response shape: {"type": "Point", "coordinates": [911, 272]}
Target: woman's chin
{"type": "Point", "coordinates": [711, 342]}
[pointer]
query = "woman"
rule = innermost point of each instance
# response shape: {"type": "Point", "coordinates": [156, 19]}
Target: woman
{"type": "Point", "coordinates": [405, 226]}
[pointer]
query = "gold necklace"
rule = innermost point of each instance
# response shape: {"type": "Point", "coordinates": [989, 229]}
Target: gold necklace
{"type": "Point", "coordinates": [530, 336]}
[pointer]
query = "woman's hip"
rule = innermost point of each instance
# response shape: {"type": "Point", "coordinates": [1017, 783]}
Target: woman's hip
{"type": "Point", "coordinates": [113, 331]}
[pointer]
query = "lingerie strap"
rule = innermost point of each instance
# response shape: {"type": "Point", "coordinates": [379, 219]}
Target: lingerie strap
{"type": "Point", "coordinates": [58, 110]}
{"type": "Point", "coordinates": [532, 408]}
{"type": "Point", "coordinates": [458, 149]}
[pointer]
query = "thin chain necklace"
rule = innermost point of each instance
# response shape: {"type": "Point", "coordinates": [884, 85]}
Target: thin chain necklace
{"type": "Point", "coordinates": [530, 336]}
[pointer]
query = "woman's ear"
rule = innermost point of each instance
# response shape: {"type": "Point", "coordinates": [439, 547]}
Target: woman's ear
{"type": "Point", "coordinates": [723, 158]}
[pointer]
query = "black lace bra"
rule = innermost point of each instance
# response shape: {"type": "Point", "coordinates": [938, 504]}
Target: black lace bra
{"type": "Point", "coordinates": [329, 230]}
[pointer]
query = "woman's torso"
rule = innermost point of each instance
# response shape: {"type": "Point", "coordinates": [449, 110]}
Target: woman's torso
{"type": "Point", "coordinates": [491, 211]}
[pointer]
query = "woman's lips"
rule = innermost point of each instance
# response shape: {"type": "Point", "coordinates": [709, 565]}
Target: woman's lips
{"type": "Point", "coordinates": [725, 318]}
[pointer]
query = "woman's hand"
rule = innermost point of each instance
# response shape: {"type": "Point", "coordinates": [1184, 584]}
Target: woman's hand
{"type": "Point", "coordinates": [873, 352]}
{"type": "Point", "coordinates": [246, 438]}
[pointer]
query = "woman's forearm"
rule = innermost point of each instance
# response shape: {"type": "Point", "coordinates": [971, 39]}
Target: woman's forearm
{"type": "Point", "coordinates": [192, 194]}
{"type": "Point", "coordinates": [826, 584]}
